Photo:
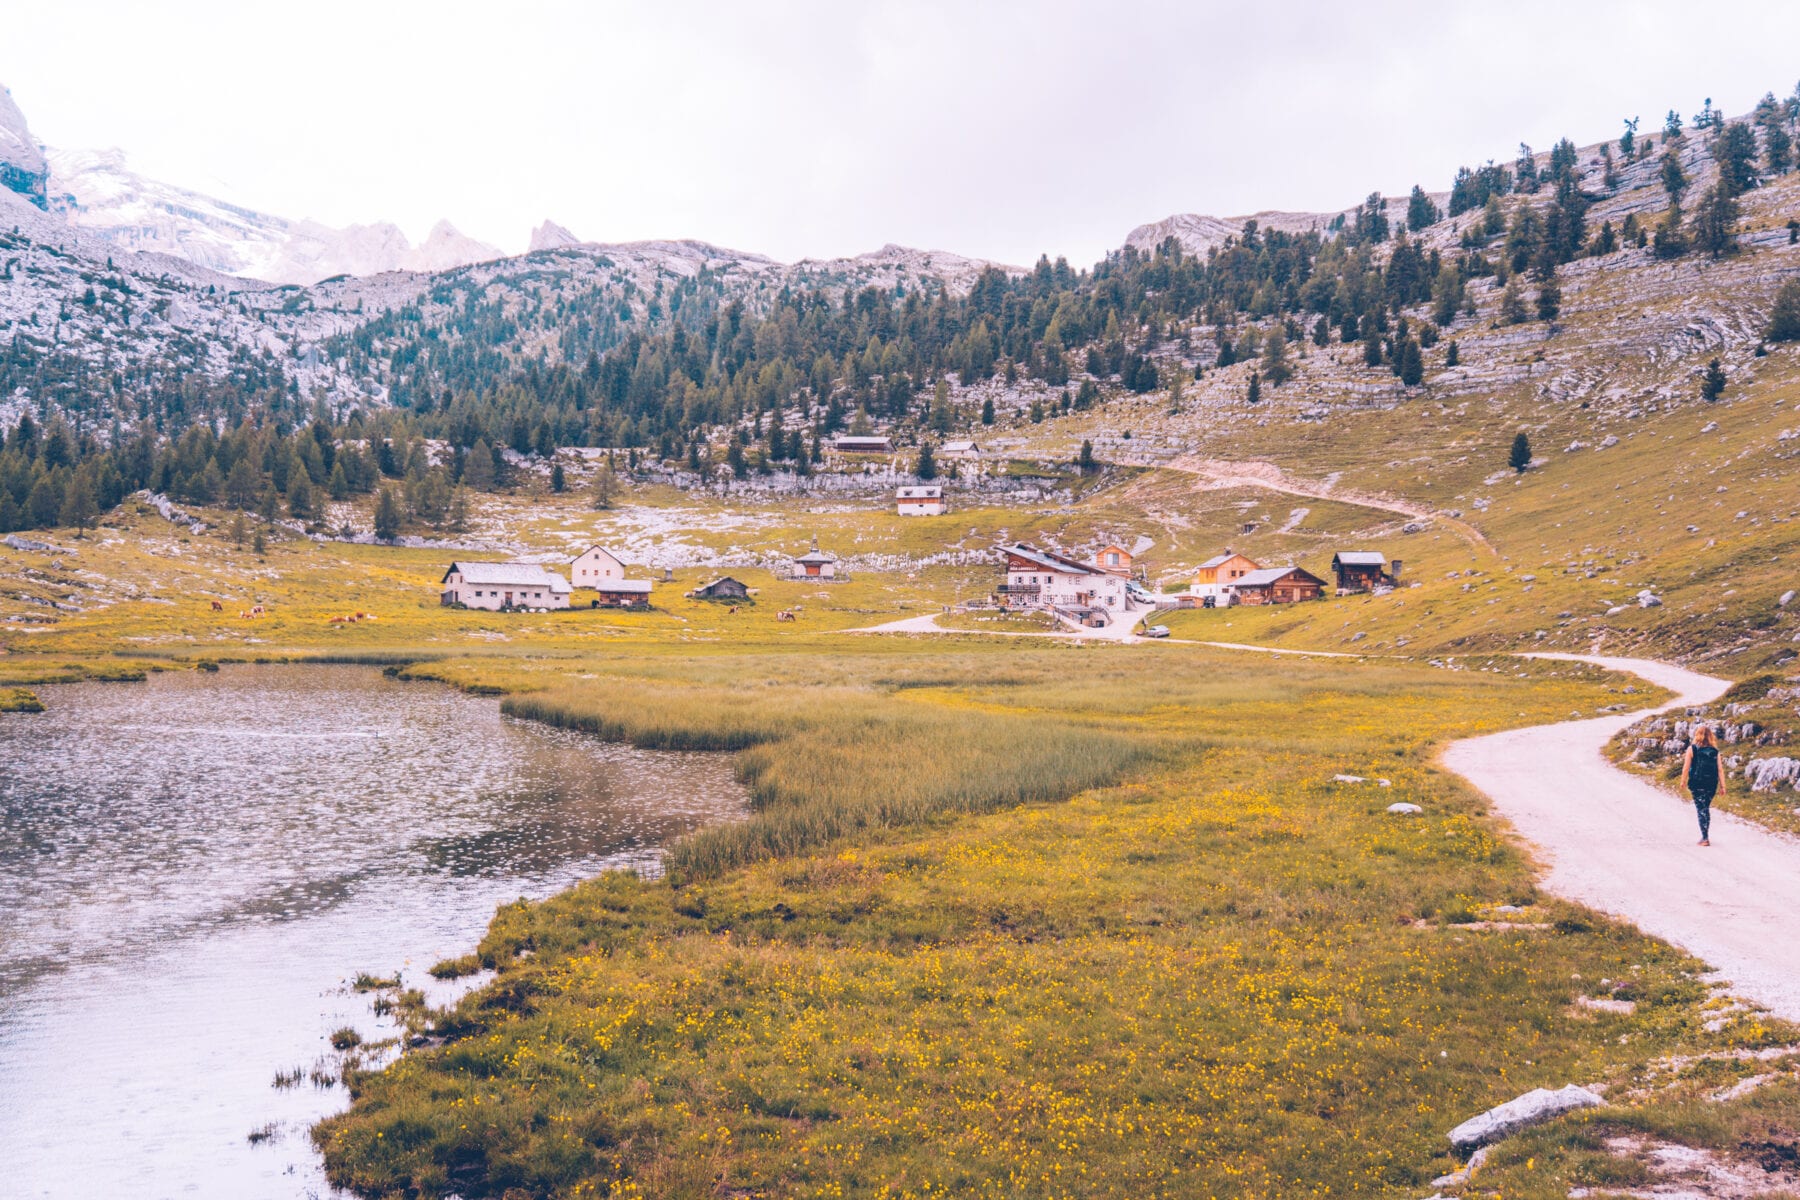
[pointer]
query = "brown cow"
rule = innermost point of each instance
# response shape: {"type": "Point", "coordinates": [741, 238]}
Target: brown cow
{"type": "Point", "coordinates": [217, 607]}
{"type": "Point", "coordinates": [257, 611]}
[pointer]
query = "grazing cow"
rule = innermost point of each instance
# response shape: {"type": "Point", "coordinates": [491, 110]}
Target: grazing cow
{"type": "Point", "coordinates": [243, 615]}
{"type": "Point", "coordinates": [338, 620]}
{"type": "Point", "coordinates": [257, 611]}
{"type": "Point", "coordinates": [734, 610]}
{"type": "Point", "coordinates": [217, 607]}
{"type": "Point", "coordinates": [784, 615]}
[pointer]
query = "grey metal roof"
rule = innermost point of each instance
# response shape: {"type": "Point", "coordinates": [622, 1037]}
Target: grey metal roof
{"type": "Point", "coordinates": [498, 574]}
{"type": "Point", "coordinates": [1359, 558]}
{"type": "Point", "coordinates": [921, 493]}
{"type": "Point", "coordinates": [1219, 560]}
{"type": "Point", "coordinates": [636, 587]}
{"type": "Point", "coordinates": [1051, 562]}
{"type": "Point", "coordinates": [816, 556]}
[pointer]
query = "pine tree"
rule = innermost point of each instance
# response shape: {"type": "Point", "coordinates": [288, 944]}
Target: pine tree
{"type": "Point", "coordinates": [1715, 221]}
{"type": "Point", "coordinates": [79, 506]}
{"type": "Point", "coordinates": [926, 467]}
{"type": "Point", "coordinates": [1520, 457]}
{"type": "Point", "coordinates": [1735, 152]}
{"type": "Point", "coordinates": [1275, 365]}
{"type": "Point", "coordinates": [459, 511]}
{"type": "Point", "coordinates": [259, 547]}
{"type": "Point", "coordinates": [558, 481]}
{"type": "Point", "coordinates": [1372, 349]}
{"type": "Point", "coordinates": [1321, 332]}
{"type": "Point", "coordinates": [1512, 303]}
{"type": "Point", "coordinates": [1778, 149]}
{"type": "Point", "coordinates": [606, 481]}
{"type": "Point", "coordinates": [987, 411]}
{"type": "Point", "coordinates": [1421, 213]}
{"type": "Point", "coordinates": [1085, 460]}
{"type": "Point", "coordinates": [1674, 179]}
{"type": "Point", "coordinates": [1254, 395]}
{"type": "Point", "coordinates": [1784, 317]}
{"type": "Point", "coordinates": [1549, 300]}
{"type": "Point", "coordinates": [1452, 356]}
{"type": "Point", "coordinates": [387, 518]}
{"type": "Point", "coordinates": [1671, 240]}
{"type": "Point", "coordinates": [1412, 363]}
{"type": "Point", "coordinates": [478, 467]}
{"type": "Point", "coordinates": [1712, 383]}
{"type": "Point", "coordinates": [238, 530]}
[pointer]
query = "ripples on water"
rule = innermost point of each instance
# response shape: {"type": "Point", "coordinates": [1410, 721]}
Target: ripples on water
{"type": "Point", "coordinates": [191, 870]}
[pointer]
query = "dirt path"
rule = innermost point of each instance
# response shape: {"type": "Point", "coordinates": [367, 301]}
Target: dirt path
{"type": "Point", "coordinates": [1118, 631]}
{"type": "Point", "coordinates": [1217, 474]}
{"type": "Point", "coordinates": [1620, 845]}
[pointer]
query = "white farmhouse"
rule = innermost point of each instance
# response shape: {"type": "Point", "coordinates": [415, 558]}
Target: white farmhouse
{"type": "Point", "coordinates": [1040, 579]}
{"type": "Point", "coordinates": [496, 585]}
{"type": "Point", "coordinates": [600, 570]}
{"type": "Point", "coordinates": [921, 500]}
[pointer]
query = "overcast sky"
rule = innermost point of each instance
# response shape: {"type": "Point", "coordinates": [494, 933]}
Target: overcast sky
{"type": "Point", "coordinates": [817, 129]}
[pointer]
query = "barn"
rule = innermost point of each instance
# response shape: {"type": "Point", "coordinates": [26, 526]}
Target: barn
{"type": "Point", "coordinates": [722, 588]}
{"type": "Point", "coordinates": [497, 585]}
{"type": "Point", "coordinates": [1278, 585]}
{"type": "Point", "coordinates": [1363, 570]}
{"type": "Point", "coordinates": [603, 572]}
{"type": "Point", "coordinates": [856, 443]}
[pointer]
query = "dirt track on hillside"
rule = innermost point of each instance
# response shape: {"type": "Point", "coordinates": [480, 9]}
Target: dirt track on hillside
{"type": "Point", "coordinates": [1620, 845]}
{"type": "Point", "coordinates": [1217, 474]}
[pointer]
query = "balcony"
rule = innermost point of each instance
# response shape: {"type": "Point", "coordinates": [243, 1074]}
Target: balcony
{"type": "Point", "coordinates": [1029, 590]}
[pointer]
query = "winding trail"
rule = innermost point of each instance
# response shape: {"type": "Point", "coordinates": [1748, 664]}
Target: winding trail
{"type": "Point", "coordinates": [1213, 474]}
{"type": "Point", "coordinates": [1622, 846]}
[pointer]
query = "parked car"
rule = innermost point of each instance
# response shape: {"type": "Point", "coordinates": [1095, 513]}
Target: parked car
{"type": "Point", "coordinates": [1156, 631]}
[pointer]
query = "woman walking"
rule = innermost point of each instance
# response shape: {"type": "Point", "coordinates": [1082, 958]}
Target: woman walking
{"type": "Point", "coordinates": [1701, 776]}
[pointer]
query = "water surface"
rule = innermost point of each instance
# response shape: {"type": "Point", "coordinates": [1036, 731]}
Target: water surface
{"type": "Point", "coordinates": [192, 869]}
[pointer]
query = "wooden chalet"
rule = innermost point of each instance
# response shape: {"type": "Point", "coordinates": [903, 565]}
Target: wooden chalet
{"type": "Point", "coordinates": [1278, 585]}
{"type": "Point", "coordinates": [1363, 570]}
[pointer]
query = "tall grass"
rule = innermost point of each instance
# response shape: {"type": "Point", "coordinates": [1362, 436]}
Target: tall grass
{"type": "Point", "coordinates": [823, 762]}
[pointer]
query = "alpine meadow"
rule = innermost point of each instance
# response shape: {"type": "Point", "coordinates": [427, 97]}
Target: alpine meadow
{"type": "Point", "coordinates": [1307, 704]}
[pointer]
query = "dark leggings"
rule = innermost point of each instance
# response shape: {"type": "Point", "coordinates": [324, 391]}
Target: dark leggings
{"type": "Point", "coordinates": [1703, 810]}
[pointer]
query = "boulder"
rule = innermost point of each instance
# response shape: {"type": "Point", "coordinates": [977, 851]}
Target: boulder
{"type": "Point", "coordinates": [1649, 599]}
{"type": "Point", "coordinates": [1402, 808]}
{"type": "Point", "coordinates": [1786, 599]}
{"type": "Point", "coordinates": [1533, 1108]}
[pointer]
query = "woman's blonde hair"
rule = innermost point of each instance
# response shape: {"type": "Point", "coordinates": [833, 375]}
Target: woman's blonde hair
{"type": "Point", "coordinates": [1703, 736]}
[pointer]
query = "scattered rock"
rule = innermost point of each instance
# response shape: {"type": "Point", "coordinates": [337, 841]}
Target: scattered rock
{"type": "Point", "coordinates": [1348, 779]}
{"type": "Point", "coordinates": [1533, 1108]}
{"type": "Point", "coordinates": [1768, 774]}
{"type": "Point", "coordinates": [1606, 1004]}
{"type": "Point", "coordinates": [1608, 442]}
{"type": "Point", "coordinates": [20, 543]}
{"type": "Point", "coordinates": [1786, 599]}
{"type": "Point", "coordinates": [1404, 809]}
{"type": "Point", "coordinates": [1648, 599]}
{"type": "Point", "coordinates": [1709, 427]}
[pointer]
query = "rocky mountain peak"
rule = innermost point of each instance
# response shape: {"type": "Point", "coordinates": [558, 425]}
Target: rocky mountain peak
{"type": "Point", "coordinates": [551, 236]}
{"type": "Point", "coordinates": [22, 166]}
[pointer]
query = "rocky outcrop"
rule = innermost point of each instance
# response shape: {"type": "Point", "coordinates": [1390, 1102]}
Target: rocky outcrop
{"type": "Point", "coordinates": [22, 166]}
{"type": "Point", "coordinates": [551, 236]}
{"type": "Point", "coordinates": [1533, 1108]}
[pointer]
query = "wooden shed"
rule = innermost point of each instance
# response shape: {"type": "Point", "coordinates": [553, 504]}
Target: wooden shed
{"type": "Point", "coordinates": [722, 588]}
{"type": "Point", "coordinates": [1363, 570]}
